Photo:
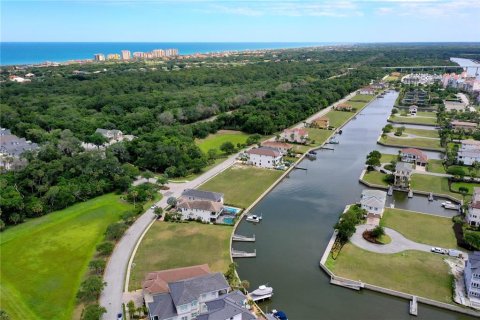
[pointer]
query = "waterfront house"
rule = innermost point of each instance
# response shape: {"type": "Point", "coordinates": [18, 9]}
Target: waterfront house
{"type": "Point", "coordinates": [264, 157]}
{"type": "Point", "coordinates": [195, 194]}
{"type": "Point", "coordinates": [320, 123]}
{"type": "Point", "coordinates": [204, 210]}
{"type": "Point", "coordinates": [472, 216]}
{"type": "Point", "coordinates": [415, 156]}
{"type": "Point", "coordinates": [464, 125]}
{"type": "Point", "coordinates": [374, 202]}
{"type": "Point", "coordinates": [469, 152]}
{"type": "Point", "coordinates": [192, 293]}
{"type": "Point", "coordinates": [367, 91]}
{"type": "Point", "coordinates": [472, 277]}
{"type": "Point", "coordinates": [413, 110]}
{"type": "Point", "coordinates": [282, 146]}
{"type": "Point", "coordinates": [297, 135]}
{"type": "Point", "coordinates": [402, 175]}
{"type": "Point", "coordinates": [343, 107]}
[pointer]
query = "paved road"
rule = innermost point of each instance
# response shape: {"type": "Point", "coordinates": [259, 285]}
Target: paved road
{"type": "Point", "coordinates": [399, 242]}
{"type": "Point", "coordinates": [115, 271]}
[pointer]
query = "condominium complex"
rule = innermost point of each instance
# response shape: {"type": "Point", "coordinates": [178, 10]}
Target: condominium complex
{"type": "Point", "coordinates": [127, 55]}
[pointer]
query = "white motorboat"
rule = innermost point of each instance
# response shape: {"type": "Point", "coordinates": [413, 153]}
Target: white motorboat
{"type": "Point", "coordinates": [254, 218]}
{"type": "Point", "coordinates": [263, 290]}
{"type": "Point", "coordinates": [449, 205]}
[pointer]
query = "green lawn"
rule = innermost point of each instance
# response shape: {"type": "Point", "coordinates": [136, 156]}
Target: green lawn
{"type": "Point", "coordinates": [44, 260]}
{"type": "Point", "coordinates": [469, 186]}
{"type": "Point", "coordinates": [242, 185]}
{"type": "Point", "coordinates": [196, 175]}
{"type": "Point", "coordinates": [427, 114]}
{"type": "Point", "coordinates": [386, 158]}
{"type": "Point", "coordinates": [375, 177]}
{"type": "Point", "coordinates": [361, 98]}
{"type": "Point", "coordinates": [413, 120]}
{"type": "Point", "coordinates": [413, 142]}
{"type": "Point", "coordinates": [423, 182]}
{"type": "Point", "coordinates": [318, 135]}
{"type": "Point", "coordinates": [422, 228]}
{"type": "Point", "coordinates": [414, 272]}
{"type": "Point", "coordinates": [435, 165]}
{"type": "Point", "coordinates": [391, 79]}
{"type": "Point", "coordinates": [422, 133]}
{"type": "Point", "coordinates": [173, 245]}
{"type": "Point", "coordinates": [214, 141]}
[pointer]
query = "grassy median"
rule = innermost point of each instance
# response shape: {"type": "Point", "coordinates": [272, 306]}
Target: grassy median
{"type": "Point", "coordinates": [422, 228]}
{"type": "Point", "coordinates": [412, 142]}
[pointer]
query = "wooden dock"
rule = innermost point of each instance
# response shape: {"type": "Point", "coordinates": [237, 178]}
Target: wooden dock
{"type": "Point", "coordinates": [240, 238]}
{"type": "Point", "coordinates": [243, 254]}
{"type": "Point", "coordinates": [414, 306]}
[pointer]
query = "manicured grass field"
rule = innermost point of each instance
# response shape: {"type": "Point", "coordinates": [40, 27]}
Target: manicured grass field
{"type": "Point", "coordinates": [456, 186]}
{"type": "Point", "coordinates": [317, 135]}
{"type": "Point", "coordinates": [423, 182]}
{"type": "Point", "coordinates": [242, 185]}
{"type": "Point", "coordinates": [426, 114]}
{"type": "Point", "coordinates": [423, 228]}
{"type": "Point", "coordinates": [414, 272]}
{"type": "Point", "coordinates": [43, 260]}
{"type": "Point", "coordinates": [214, 141]}
{"type": "Point", "coordinates": [386, 158]}
{"type": "Point", "coordinates": [413, 120]}
{"type": "Point", "coordinates": [435, 165]}
{"type": "Point", "coordinates": [375, 177]}
{"type": "Point", "coordinates": [422, 133]}
{"type": "Point", "coordinates": [172, 245]}
{"type": "Point", "coordinates": [413, 142]}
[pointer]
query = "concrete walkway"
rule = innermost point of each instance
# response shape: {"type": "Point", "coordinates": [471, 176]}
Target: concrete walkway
{"type": "Point", "coordinates": [399, 242]}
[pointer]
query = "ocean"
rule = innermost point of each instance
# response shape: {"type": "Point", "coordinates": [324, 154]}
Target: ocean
{"type": "Point", "coordinates": [13, 53]}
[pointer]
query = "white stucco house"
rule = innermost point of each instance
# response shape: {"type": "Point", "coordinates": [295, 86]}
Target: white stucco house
{"type": "Point", "coordinates": [472, 216]}
{"type": "Point", "coordinates": [373, 201]}
{"type": "Point", "coordinates": [264, 157]}
{"type": "Point", "coordinates": [472, 278]}
{"type": "Point", "coordinates": [469, 152]}
{"type": "Point", "coordinates": [206, 210]}
{"type": "Point", "coordinates": [296, 135]}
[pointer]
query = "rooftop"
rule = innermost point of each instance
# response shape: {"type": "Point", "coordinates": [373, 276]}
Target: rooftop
{"type": "Point", "coordinates": [205, 205]}
{"type": "Point", "coordinates": [209, 195]}
{"type": "Point", "coordinates": [157, 282]}
{"type": "Point", "coordinates": [418, 153]}
{"type": "Point", "coordinates": [186, 291]}
{"type": "Point", "coordinates": [265, 151]}
{"type": "Point", "coordinates": [277, 144]}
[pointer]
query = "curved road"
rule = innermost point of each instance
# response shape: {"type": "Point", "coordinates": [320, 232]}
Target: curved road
{"type": "Point", "coordinates": [116, 269]}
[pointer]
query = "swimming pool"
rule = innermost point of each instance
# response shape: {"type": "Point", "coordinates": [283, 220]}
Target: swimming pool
{"type": "Point", "coordinates": [231, 210]}
{"type": "Point", "coordinates": [230, 221]}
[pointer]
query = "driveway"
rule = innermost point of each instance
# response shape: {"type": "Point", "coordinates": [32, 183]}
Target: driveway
{"type": "Point", "coordinates": [399, 242]}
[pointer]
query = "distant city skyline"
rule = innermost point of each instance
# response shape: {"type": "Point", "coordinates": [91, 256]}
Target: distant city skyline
{"type": "Point", "coordinates": [240, 21]}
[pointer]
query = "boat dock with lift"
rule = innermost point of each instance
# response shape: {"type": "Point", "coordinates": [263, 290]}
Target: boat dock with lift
{"type": "Point", "coordinates": [262, 293]}
{"type": "Point", "coordinates": [414, 306]}
{"type": "Point", "coordinates": [240, 238]}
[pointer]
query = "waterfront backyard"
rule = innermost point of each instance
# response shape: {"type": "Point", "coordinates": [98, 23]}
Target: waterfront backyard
{"type": "Point", "coordinates": [242, 185]}
{"type": "Point", "coordinates": [172, 245]}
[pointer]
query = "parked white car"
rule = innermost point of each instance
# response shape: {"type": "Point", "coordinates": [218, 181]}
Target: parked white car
{"type": "Point", "coordinates": [439, 250]}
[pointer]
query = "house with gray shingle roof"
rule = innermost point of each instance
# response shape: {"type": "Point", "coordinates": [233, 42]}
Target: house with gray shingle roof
{"type": "Point", "coordinates": [195, 194]}
{"type": "Point", "coordinates": [472, 277]}
{"type": "Point", "coordinates": [203, 297]}
{"type": "Point", "coordinates": [373, 201]}
{"type": "Point", "coordinates": [12, 147]}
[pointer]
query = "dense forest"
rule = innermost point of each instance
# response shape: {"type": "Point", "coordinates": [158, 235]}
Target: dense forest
{"type": "Point", "coordinates": [166, 106]}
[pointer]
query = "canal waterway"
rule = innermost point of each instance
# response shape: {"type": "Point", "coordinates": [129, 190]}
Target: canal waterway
{"type": "Point", "coordinates": [298, 218]}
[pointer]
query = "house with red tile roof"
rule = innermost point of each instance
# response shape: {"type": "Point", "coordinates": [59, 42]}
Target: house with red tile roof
{"type": "Point", "coordinates": [264, 157]}
{"type": "Point", "coordinates": [416, 156]}
{"type": "Point", "coordinates": [282, 146]}
{"type": "Point", "coordinates": [343, 107]}
{"type": "Point", "coordinates": [297, 135]}
{"type": "Point", "coordinates": [320, 123]}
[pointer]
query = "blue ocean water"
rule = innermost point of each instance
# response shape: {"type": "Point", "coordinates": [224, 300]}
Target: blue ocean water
{"type": "Point", "coordinates": [37, 52]}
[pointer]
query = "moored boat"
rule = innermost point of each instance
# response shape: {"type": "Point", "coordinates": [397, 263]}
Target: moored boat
{"type": "Point", "coordinates": [254, 218]}
{"type": "Point", "coordinates": [262, 290]}
{"type": "Point", "coordinates": [280, 315]}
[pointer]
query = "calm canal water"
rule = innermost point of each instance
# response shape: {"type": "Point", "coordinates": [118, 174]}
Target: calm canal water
{"type": "Point", "coordinates": [298, 216]}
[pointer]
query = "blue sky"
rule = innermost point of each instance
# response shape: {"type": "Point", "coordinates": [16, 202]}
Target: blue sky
{"type": "Point", "coordinates": [237, 21]}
